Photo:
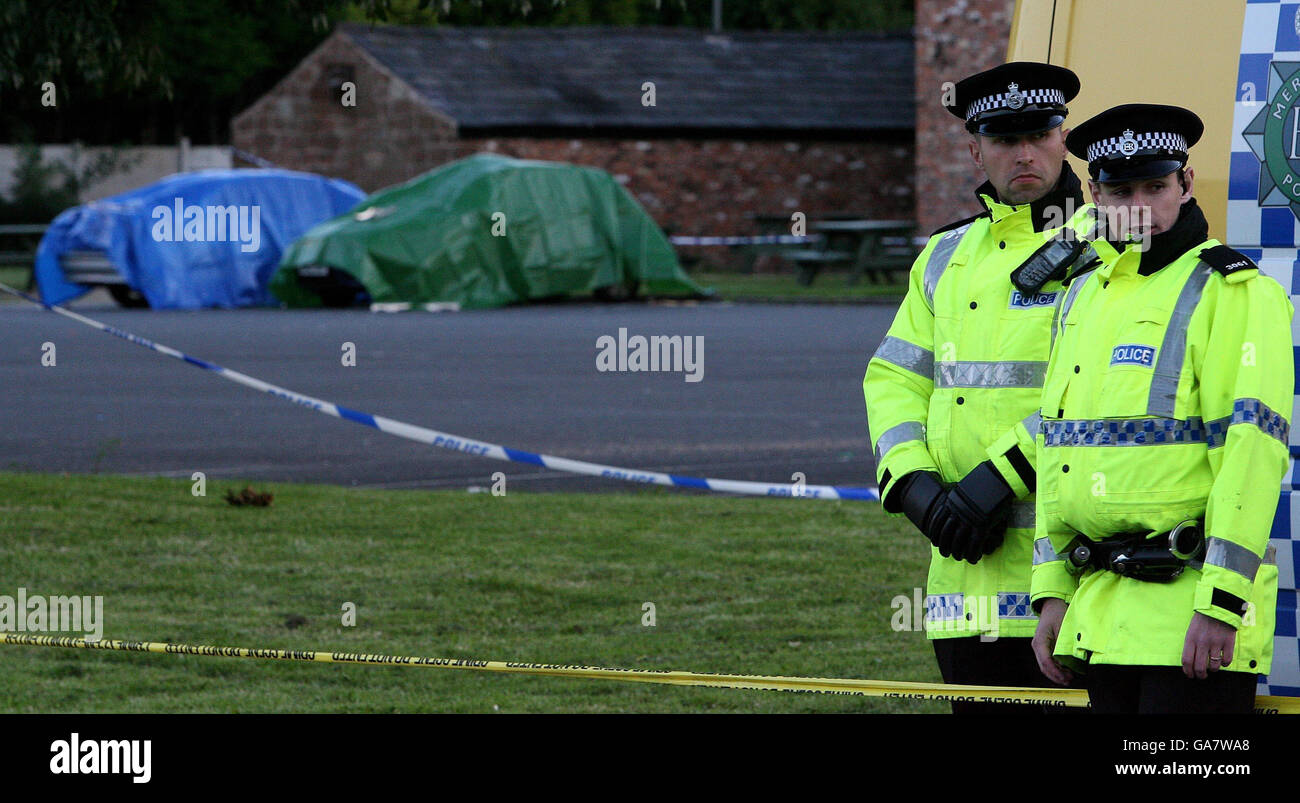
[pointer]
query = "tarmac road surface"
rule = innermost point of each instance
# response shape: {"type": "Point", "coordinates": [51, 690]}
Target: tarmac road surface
{"type": "Point", "coordinates": [780, 391]}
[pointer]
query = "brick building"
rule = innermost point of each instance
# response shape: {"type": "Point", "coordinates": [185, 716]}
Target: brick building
{"type": "Point", "coordinates": [741, 123]}
{"type": "Point", "coordinates": [954, 38]}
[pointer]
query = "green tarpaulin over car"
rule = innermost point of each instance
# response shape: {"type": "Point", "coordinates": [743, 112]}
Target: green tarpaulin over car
{"type": "Point", "coordinates": [484, 232]}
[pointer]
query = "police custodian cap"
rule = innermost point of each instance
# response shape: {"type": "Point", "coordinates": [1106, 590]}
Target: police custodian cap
{"type": "Point", "coordinates": [1022, 97]}
{"type": "Point", "coordinates": [1135, 141]}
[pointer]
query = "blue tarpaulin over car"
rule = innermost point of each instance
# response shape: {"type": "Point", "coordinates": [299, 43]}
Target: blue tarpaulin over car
{"type": "Point", "coordinates": [211, 238]}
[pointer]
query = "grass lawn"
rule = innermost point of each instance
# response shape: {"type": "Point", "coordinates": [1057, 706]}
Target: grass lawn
{"type": "Point", "coordinates": [784, 287]}
{"type": "Point", "coordinates": [741, 585]}
{"type": "Point", "coordinates": [15, 278]}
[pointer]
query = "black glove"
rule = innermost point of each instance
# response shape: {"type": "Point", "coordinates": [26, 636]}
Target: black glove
{"type": "Point", "coordinates": [921, 496]}
{"type": "Point", "coordinates": [982, 501]}
{"type": "Point", "coordinates": [953, 535]}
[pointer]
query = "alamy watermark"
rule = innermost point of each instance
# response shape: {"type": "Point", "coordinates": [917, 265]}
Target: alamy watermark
{"type": "Point", "coordinates": [37, 613]}
{"type": "Point", "coordinates": [679, 353]}
{"type": "Point", "coordinates": [77, 756]}
{"type": "Point", "coordinates": [1119, 224]}
{"type": "Point", "coordinates": [208, 224]}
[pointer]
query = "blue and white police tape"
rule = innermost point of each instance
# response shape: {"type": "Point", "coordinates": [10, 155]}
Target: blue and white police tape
{"type": "Point", "coordinates": [459, 443]}
{"type": "Point", "coordinates": [755, 239]}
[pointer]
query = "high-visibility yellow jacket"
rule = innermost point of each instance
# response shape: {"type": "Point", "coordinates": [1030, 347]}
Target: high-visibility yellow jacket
{"type": "Point", "coordinates": [1166, 399]}
{"type": "Point", "coordinates": [956, 382]}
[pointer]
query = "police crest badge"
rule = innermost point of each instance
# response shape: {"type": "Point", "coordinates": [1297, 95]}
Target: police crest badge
{"type": "Point", "coordinates": [1015, 98]}
{"type": "Point", "coordinates": [1127, 144]}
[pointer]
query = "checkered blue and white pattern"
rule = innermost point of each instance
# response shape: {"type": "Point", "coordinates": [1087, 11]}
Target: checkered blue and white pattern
{"type": "Point", "coordinates": [1045, 97]}
{"type": "Point", "coordinates": [945, 607]}
{"type": "Point", "coordinates": [1012, 605]}
{"type": "Point", "coordinates": [1269, 235]}
{"type": "Point", "coordinates": [1114, 147]}
{"type": "Point", "coordinates": [1134, 432]}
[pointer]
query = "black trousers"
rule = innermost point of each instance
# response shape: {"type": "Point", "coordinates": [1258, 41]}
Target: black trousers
{"type": "Point", "coordinates": [1166, 690]}
{"type": "Point", "coordinates": [1002, 662]}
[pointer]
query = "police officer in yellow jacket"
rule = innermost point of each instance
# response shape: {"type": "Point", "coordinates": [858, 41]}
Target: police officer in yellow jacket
{"type": "Point", "coordinates": [952, 392]}
{"type": "Point", "coordinates": [1164, 441]}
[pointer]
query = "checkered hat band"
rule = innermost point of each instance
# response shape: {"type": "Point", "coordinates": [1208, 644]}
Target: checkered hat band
{"type": "Point", "coordinates": [1111, 147]}
{"type": "Point", "coordinates": [1043, 97]}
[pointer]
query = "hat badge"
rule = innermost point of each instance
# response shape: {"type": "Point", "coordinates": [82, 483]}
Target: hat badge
{"type": "Point", "coordinates": [1015, 98]}
{"type": "Point", "coordinates": [1127, 144]}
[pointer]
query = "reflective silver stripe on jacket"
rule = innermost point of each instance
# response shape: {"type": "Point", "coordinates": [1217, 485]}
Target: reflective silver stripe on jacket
{"type": "Point", "coordinates": [1056, 317]}
{"type": "Point", "coordinates": [907, 355]}
{"type": "Point", "coordinates": [899, 433]}
{"type": "Point", "coordinates": [939, 258]}
{"type": "Point", "coordinates": [1124, 432]}
{"type": "Point", "coordinates": [980, 374]}
{"type": "Point", "coordinates": [1070, 295]}
{"type": "Point", "coordinates": [1173, 349]}
{"type": "Point", "coordinates": [1230, 556]}
{"type": "Point", "coordinates": [1044, 552]}
{"type": "Point", "coordinates": [1249, 411]}
{"type": "Point", "coordinates": [1033, 424]}
{"type": "Point", "coordinates": [1022, 516]}
{"type": "Point", "coordinates": [1270, 559]}
{"type": "Point", "coordinates": [1085, 258]}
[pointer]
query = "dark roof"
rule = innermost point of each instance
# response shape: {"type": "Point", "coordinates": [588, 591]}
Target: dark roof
{"type": "Point", "coordinates": [591, 77]}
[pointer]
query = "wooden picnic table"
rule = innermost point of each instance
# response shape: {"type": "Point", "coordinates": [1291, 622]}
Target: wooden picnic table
{"type": "Point", "coordinates": [873, 247]}
{"type": "Point", "coordinates": [767, 224]}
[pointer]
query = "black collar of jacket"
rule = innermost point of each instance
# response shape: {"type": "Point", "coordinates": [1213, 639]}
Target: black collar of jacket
{"type": "Point", "coordinates": [1189, 230]}
{"type": "Point", "coordinates": [1052, 209]}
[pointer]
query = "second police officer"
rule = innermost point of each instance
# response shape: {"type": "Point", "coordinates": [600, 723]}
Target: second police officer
{"type": "Point", "coordinates": [1164, 441]}
{"type": "Point", "coordinates": [953, 391]}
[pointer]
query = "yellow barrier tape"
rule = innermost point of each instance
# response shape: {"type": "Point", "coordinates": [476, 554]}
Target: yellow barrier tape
{"type": "Point", "coordinates": [891, 689]}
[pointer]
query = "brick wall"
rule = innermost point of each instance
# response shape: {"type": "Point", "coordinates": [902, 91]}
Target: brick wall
{"type": "Point", "coordinates": [954, 39]}
{"type": "Point", "coordinates": [709, 186]}
{"type": "Point", "coordinates": [690, 186]}
{"type": "Point", "coordinates": [302, 124]}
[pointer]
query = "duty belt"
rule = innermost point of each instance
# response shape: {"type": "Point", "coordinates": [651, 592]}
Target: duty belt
{"type": "Point", "coordinates": [1156, 558]}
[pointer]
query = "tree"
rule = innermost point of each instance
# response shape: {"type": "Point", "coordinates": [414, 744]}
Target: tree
{"type": "Point", "coordinates": [150, 71]}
